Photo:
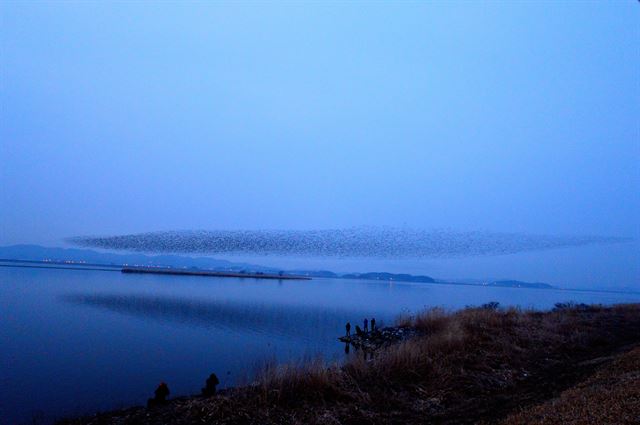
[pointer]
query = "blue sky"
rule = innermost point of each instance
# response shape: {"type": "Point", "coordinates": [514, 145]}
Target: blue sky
{"type": "Point", "coordinates": [131, 117]}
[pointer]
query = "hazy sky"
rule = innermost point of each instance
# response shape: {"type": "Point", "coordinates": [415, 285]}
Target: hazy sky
{"type": "Point", "coordinates": [132, 117]}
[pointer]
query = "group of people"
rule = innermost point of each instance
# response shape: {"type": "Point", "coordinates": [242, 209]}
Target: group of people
{"type": "Point", "coordinates": [364, 330]}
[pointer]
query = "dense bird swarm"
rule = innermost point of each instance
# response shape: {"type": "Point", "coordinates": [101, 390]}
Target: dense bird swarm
{"type": "Point", "coordinates": [353, 242]}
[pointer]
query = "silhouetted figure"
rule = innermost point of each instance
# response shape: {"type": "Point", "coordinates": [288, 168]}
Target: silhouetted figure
{"type": "Point", "coordinates": [366, 326]}
{"type": "Point", "coordinates": [358, 330]}
{"type": "Point", "coordinates": [348, 328]}
{"type": "Point", "coordinates": [162, 392]}
{"type": "Point", "coordinates": [373, 324]}
{"type": "Point", "coordinates": [210, 386]}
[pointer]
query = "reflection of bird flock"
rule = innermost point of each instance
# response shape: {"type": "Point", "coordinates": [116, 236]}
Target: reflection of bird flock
{"type": "Point", "coordinates": [353, 242]}
{"type": "Point", "coordinates": [275, 319]}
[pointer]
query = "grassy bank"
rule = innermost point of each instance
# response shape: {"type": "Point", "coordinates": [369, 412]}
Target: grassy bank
{"type": "Point", "coordinates": [478, 365]}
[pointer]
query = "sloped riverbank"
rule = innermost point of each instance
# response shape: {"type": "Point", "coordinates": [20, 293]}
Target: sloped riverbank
{"type": "Point", "coordinates": [477, 365]}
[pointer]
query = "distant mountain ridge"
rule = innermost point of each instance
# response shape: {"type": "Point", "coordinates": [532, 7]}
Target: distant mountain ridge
{"type": "Point", "coordinates": [520, 284]}
{"type": "Point", "coordinates": [54, 254]}
{"type": "Point", "coordinates": [40, 253]}
{"type": "Point", "coordinates": [401, 277]}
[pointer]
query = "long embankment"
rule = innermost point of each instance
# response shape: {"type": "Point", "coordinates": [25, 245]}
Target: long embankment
{"type": "Point", "coordinates": [478, 365]}
{"type": "Point", "coordinates": [187, 272]}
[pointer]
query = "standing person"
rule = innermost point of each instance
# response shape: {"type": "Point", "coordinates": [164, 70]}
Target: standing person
{"type": "Point", "coordinates": [366, 326]}
{"type": "Point", "coordinates": [161, 394]}
{"type": "Point", "coordinates": [348, 327]}
{"type": "Point", "coordinates": [373, 324]}
{"type": "Point", "coordinates": [210, 385]}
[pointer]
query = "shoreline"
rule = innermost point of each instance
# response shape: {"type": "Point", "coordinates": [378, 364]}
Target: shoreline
{"type": "Point", "coordinates": [180, 272]}
{"type": "Point", "coordinates": [481, 364]}
{"type": "Point", "coordinates": [61, 265]}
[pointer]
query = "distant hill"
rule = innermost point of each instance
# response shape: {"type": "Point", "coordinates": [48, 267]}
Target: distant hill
{"type": "Point", "coordinates": [401, 277]}
{"type": "Point", "coordinates": [41, 253]}
{"type": "Point", "coordinates": [520, 284]}
{"type": "Point", "coordinates": [315, 273]}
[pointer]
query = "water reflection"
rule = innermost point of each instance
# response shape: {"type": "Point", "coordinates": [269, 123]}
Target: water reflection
{"type": "Point", "coordinates": [279, 319]}
{"type": "Point", "coordinates": [109, 338]}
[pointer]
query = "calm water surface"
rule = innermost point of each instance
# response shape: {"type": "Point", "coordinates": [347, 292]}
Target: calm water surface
{"type": "Point", "coordinates": [78, 341]}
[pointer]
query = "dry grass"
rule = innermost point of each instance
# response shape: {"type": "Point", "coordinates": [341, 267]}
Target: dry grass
{"type": "Point", "coordinates": [610, 397]}
{"type": "Point", "coordinates": [477, 364]}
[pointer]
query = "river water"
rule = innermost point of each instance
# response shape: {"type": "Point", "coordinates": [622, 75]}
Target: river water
{"type": "Point", "coordinates": [78, 341]}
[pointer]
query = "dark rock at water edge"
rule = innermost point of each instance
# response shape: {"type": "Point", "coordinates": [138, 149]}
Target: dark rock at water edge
{"type": "Point", "coordinates": [374, 340]}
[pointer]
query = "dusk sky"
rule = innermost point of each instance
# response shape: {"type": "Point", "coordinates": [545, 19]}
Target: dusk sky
{"type": "Point", "coordinates": [319, 211]}
{"type": "Point", "coordinates": [124, 118]}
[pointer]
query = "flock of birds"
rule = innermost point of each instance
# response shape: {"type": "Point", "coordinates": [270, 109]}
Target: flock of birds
{"type": "Point", "coordinates": [352, 242]}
